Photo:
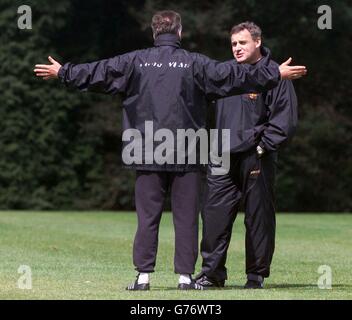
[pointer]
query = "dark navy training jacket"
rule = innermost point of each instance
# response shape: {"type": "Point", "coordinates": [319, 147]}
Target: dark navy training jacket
{"type": "Point", "coordinates": [169, 87]}
{"type": "Point", "coordinates": [268, 119]}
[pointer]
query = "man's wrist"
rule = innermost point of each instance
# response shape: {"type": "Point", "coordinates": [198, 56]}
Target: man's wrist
{"type": "Point", "coordinates": [280, 75]}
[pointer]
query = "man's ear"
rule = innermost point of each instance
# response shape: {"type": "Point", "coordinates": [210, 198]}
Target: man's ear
{"type": "Point", "coordinates": [179, 33]}
{"type": "Point", "coordinates": [258, 42]}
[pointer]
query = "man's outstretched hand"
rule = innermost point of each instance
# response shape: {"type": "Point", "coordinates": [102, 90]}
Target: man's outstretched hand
{"type": "Point", "coordinates": [291, 72]}
{"type": "Point", "coordinates": [47, 71]}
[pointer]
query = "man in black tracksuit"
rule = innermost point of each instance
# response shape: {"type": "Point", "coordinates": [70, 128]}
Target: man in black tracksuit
{"type": "Point", "coordinates": [259, 124]}
{"type": "Point", "coordinates": [166, 87]}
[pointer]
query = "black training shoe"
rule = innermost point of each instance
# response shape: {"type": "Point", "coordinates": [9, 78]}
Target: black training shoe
{"type": "Point", "coordinates": [253, 284]}
{"type": "Point", "coordinates": [190, 286]}
{"type": "Point", "coordinates": [208, 283]}
{"type": "Point", "coordinates": [134, 286]}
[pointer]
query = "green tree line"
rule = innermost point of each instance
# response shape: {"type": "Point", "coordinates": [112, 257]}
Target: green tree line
{"type": "Point", "coordinates": [61, 149]}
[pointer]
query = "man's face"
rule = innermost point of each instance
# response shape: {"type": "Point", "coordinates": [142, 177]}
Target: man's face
{"type": "Point", "coordinates": [244, 48]}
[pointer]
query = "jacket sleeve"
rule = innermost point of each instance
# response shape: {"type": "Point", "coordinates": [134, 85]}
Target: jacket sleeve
{"type": "Point", "coordinates": [282, 122]}
{"type": "Point", "coordinates": [105, 76]}
{"type": "Point", "coordinates": [222, 79]}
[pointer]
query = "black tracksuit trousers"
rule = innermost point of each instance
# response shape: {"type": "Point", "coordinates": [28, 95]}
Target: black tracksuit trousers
{"type": "Point", "coordinates": [250, 179]}
{"type": "Point", "coordinates": [151, 189]}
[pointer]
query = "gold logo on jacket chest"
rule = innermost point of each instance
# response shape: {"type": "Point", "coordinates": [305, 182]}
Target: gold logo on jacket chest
{"type": "Point", "coordinates": [253, 96]}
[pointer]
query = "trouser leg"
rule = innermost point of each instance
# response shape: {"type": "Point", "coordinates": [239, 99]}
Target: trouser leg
{"type": "Point", "coordinates": [185, 194]}
{"type": "Point", "coordinates": [150, 191]}
{"type": "Point", "coordinates": [259, 213]}
{"type": "Point", "coordinates": [222, 199]}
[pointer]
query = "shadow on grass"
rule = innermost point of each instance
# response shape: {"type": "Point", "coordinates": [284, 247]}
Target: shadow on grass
{"type": "Point", "coordinates": [268, 287]}
{"type": "Point", "coordinates": [310, 286]}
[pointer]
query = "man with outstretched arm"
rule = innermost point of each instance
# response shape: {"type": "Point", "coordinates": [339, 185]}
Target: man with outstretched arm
{"type": "Point", "coordinates": [166, 86]}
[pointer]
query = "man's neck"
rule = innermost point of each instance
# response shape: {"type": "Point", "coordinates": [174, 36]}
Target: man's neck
{"type": "Point", "coordinates": [255, 59]}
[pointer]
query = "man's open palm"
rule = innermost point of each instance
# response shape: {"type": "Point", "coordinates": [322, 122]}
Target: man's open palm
{"type": "Point", "coordinates": [47, 71]}
{"type": "Point", "coordinates": [291, 72]}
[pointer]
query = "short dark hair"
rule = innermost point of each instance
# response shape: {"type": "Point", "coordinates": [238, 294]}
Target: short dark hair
{"type": "Point", "coordinates": [253, 29]}
{"type": "Point", "coordinates": [166, 21]}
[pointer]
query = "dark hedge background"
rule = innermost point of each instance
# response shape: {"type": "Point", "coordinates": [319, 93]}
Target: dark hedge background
{"type": "Point", "coordinates": [61, 149]}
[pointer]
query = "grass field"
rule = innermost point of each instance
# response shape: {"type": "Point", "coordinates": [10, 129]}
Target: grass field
{"type": "Point", "coordinates": [88, 255]}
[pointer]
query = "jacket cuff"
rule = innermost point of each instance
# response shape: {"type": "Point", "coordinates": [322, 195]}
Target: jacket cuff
{"type": "Point", "coordinates": [261, 144]}
{"type": "Point", "coordinates": [62, 73]}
